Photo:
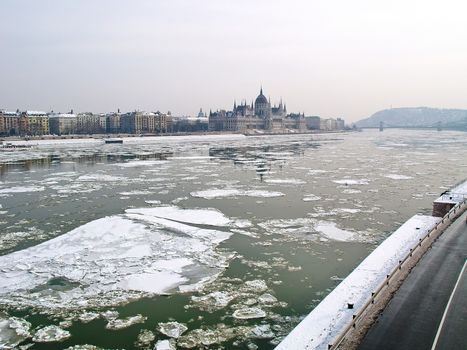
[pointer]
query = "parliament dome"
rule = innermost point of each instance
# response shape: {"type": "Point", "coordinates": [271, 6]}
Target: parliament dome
{"type": "Point", "coordinates": [261, 98]}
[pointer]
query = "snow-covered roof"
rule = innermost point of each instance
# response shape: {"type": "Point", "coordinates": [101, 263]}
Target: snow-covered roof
{"type": "Point", "coordinates": [35, 113]}
{"type": "Point", "coordinates": [62, 115]}
{"type": "Point", "coordinates": [9, 113]}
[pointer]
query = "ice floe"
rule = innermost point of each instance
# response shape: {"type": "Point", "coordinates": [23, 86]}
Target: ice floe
{"type": "Point", "coordinates": [88, 317]}
{"type": "Point", "coordinates": [139, 163]}
{"type": "Point", "coordinates": [101, 177]}
{"type": "Point", "coordinates": [216, 300]}
{"type": "Point", "coordinates": [165, 345]}
{"type": "Point", "coordinates": [145, 338]}
{"type": "Point", "coordinates": [398, 177]}
{"type": "Point", "coordinates": [201, 338]}
{"type": "Point", "coordinates": [256, 285]}
{"type": "Point", "coordinates": [331, 231]}
{"type": "Point", "coordinates": [120, 323]}
{"type": "Point", "coordinates": [262, 331]}
{"type": "Point", "coordinates": [135, 193]}
{"type": "Point", "coordinates": [224, 193]}
{"type": "Point", "coordinates": [249, 313]}
{"type": "Point", "coordinates": [114, 259]}
{"type": "Point", "coordinates": [309, 228]}
{"type": "Point", "coordinates": [51, 333]}
{"type": "Point", "coordinates": [13, 331]}
{"type": "Point", "coordinates": [156, 202]}
{"type": "Point", "coordinates": [194, 216]}
{"type": "Point", "coordinates": [172, 329]}
{"type": "Point", "coordinates": [311, 198]}
{"type": "Point", "coordinates": [285, 181]}
{"type": "Point", "coordinates": [22, 189]}
{"type": "Point", "coordinates": [352, 182]}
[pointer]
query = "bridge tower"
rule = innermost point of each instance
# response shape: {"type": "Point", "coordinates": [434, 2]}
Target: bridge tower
{"type": "Point", "coordinates": [381, 126]}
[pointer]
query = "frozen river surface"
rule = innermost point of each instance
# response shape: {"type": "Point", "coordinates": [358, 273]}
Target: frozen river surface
{"type": "Point", "coordinates": [200, 242]}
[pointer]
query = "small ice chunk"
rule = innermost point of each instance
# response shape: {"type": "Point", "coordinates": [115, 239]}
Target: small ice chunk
{"type": "Point", "coordinates": [120, 323]}
{"type": "Point", "coordinates": [135, 193]}
{"type": "Point", "coordinates": [256, 285]}
{"type": "Point", "coordinates": [51, 333]}
{"type": "Point", "coordinates": [267, 298]}
{"type": "Point", "coordinates": [22, 189]}
{"type": "Point", "coordinates": [88, 317]}
{"type": "Point", "coordinates": [153, 202]}
{"type": "Point", "coordinates": [100, 177]}
{"type": "Point", "coordinates": [285, 181]}
{"type": "Point", "coordinates": [248, 313]}
{"type": "Point", "coordinates": [311, 198]}
{"type": "Point", "coordinates": [398, 177]}
{"type": "Point", "coordinates": [329, 230]}
{"type": "Point", "coordinates": [225, 193]}
{"type": "Point", "coordinates": [216, 300]}
{"type": "Point", "coordinates": [145, 338]}
{"type": "Point", "coordinates": [165, 345]}
{"type": "Point", "coordinates": [262, 331]}
{"type": "Point", "coordinates": [110, 314]}
{"type": "Point", "coordinates": [172, 329]}
{"type": "Point", "coordinates": [352, 182]}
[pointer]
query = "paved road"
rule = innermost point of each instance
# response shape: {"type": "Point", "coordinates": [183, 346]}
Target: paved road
{"type": "Point", "coordinates": [414, 316]}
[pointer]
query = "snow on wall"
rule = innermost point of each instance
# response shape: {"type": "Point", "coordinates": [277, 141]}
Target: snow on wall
{"type": "Point", "coordinates": [455, 195]}
{"type": "Point", "coordinates": [327, 320]}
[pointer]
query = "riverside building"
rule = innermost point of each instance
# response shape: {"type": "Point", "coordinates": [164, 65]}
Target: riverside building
{"type": "Point", "coordinates": [260, 115]}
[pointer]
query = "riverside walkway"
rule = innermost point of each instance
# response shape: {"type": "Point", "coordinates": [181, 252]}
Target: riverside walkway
{"type": "Point", "coordinates": [343, 318]}
{"type": "Point", "coordinates": [429, 311]}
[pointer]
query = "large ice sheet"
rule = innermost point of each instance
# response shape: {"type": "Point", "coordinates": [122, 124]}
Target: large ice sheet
{"type": "Point", "coordinates": [194, 216]}
{"type": "Point", "coordinates": [118, 256]}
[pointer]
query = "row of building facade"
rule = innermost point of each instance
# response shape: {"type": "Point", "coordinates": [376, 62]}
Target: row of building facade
{"type": "Point", "coordinates": [323, 124]}
{"type": "Point", "coordinates": [259, 115]}
{"type": "Point", "coordinates": [36, 123]}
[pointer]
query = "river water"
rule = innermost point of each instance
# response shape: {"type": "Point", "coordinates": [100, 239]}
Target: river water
{"type": "Point", "coordinates": [205, 241]}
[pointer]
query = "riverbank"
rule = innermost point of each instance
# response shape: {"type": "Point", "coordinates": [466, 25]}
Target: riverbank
{"type": "Point", "coordinates": [179, 134]}
{"type": "Point", "coordinates": [346, 314]}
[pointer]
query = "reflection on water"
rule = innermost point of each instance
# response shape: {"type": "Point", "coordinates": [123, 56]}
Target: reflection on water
{"type": "Point", "coordinates": [261, 157]}
{"type": "Point", "coordinates": [92, 158]}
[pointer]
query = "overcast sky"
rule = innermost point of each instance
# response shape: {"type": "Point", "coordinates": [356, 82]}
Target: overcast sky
{"type": "Point", "coordinates": [333, 58]}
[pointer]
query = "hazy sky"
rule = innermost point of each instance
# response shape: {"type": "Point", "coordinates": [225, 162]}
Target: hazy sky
{"type": "Point", "coordinates": [334, 58]}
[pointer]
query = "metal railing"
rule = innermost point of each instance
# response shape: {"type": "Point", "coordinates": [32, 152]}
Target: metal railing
{"type": "Point", "coordinates": [432, 234]}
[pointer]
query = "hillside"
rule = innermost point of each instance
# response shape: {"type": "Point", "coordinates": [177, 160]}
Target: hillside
{"type": "Point", "coordinates": [417, 117]}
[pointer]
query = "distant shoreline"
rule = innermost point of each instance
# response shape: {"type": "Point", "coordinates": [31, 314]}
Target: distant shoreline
{"type": "Point", "coordinates": [178, 134]}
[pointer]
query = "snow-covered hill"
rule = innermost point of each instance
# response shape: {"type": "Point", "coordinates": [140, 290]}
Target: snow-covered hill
{"type": "Point", "coordinates": [417, 117]}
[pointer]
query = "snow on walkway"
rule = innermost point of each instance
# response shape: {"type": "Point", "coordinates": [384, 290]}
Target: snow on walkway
{"type": "Point", "coordinates": [331, 316]}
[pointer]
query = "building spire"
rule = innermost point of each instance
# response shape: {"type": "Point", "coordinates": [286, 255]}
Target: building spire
{"type": "Point", "coordinates": [235, 105]}
{"type": "Point", "coordinates": [261, 90]}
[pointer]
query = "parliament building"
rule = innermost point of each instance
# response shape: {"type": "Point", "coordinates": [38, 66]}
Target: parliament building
{"type": "Point", "coordinates": [259, 115]}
